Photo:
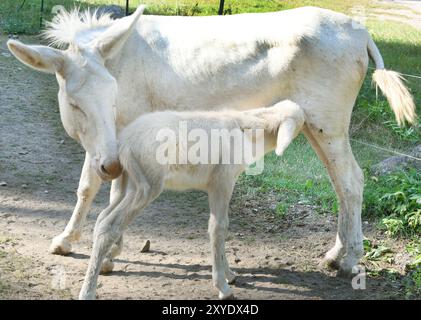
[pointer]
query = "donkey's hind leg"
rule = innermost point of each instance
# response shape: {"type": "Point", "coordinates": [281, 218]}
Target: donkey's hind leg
{"type": "Point", "coordinates": [347, 179]}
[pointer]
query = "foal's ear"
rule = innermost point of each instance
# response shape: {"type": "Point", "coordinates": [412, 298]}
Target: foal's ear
{"type": "Point", "coordinates": [41, 58]}
{"type": "Point", "coordinates": [288, 130]}
{"type": "Point", "coordinates": [113, 39]}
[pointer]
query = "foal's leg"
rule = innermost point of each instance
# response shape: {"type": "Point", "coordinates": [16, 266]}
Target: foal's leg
{"type": "Point", "coordinates": [109, 228]}
{"type": "Point", "coordinates": [347, 179]}
{"type": "Point", "coordinates": [219, 197]}
{"type": "Point", "coordinates": [117, 247]}
{"type": "Point", "coordinates": [108, 264]}
{"type": "Point", "coordinates": [89, 185]}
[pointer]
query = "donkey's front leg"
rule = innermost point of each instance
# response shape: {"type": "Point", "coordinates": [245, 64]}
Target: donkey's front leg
{"type": "Point", "coordinates": [89, 185]}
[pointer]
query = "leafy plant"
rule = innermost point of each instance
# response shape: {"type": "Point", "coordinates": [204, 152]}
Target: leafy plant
{"type": "Point", "coordinates": [412, 284]}
{"type": "Point", "coordinates": [406, 133]}
{"type": "Point", "coordinates": [281, 209]}
{"type": "Point", "coordinates": [396, 198]}
{"type": "Point", "coordinates": [414, 249]}
{"type": "Point", "coordinates": [376, 252]}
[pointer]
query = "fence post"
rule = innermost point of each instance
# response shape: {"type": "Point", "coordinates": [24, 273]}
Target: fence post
{"type": "Point", "coordinates": [221, 7]}
{"type": "Point", "coordinates": [127, 7]}
{"type": "Point", "coordinates": [41, 12]}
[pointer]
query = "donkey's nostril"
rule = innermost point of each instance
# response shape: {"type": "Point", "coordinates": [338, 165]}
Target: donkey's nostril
{"type": "Point", "coordinates": [103, 169]}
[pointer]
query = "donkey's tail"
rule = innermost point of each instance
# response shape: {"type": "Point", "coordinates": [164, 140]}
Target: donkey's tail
{"type": "Point", "coordinates": [392, 85]}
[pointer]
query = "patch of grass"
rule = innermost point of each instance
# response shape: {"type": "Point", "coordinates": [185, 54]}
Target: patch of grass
{"type": "Point", "coordinates": [281, 209]}
{"type": "Point", "coordinates": [298, 176]}
{"type": "Point", "coordinates": [396, 198]}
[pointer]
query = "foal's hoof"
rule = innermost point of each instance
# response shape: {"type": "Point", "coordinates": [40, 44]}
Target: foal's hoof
{"type": "Point", "coordinates": [107, 266]}
{"type": "Point", "coordinates": [60, 246]}
{"type": "Point", "coordinates": [228, 295]}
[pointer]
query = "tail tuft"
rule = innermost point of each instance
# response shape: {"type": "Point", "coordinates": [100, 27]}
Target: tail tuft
{"type": "Point", "coordinates": [392, 85]}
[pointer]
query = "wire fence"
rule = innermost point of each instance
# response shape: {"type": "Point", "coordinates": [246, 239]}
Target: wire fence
{"type": "Point", "coordinates": [26, 16]}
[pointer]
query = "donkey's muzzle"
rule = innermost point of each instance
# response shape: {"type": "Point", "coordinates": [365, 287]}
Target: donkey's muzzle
{"type": "Point", "coordinates": [110, 170]}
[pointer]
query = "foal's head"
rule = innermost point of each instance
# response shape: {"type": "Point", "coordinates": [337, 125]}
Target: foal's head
{"type": "Point", "coordinates": [87, 91]}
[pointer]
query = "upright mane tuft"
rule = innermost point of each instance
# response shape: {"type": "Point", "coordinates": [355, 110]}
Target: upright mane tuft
{"type": "Point", "coordinates": [72, 27]}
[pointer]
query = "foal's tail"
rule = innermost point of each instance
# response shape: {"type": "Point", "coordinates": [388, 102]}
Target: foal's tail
{"type": "Point", "coordinates": [392, 85]}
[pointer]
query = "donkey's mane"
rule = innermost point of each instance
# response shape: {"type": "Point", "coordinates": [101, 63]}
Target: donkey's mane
{"type": "Point", "coordinates": [72, 27]}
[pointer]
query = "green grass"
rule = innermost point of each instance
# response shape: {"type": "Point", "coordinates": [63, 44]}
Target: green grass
{"type": "Point", "coordinates": [298, 176]}
{"type": "Point", "coordinates": [18, 18]}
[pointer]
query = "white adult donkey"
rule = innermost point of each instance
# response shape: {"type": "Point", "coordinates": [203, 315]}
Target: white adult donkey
{"type": "Point", "coordinates": [113, 71]}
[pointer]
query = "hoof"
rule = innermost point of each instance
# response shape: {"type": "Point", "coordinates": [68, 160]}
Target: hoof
{"type": "Point", "coordinates": [60, 246]}
{"type": "Point", "coordinates": [330, 264]}
{"type": "Point", "coordinates": [346, 272]}
{"type": "Point", "coordinates": [107, 266]}
{"type": "Point", "coordinates": [226, 297]}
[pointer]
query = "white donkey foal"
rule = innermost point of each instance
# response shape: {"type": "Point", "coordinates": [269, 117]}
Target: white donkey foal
{"type": "Point", "coordinates": [144, 177]}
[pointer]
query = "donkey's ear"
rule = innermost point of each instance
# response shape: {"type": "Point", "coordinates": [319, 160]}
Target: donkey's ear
{"type": "Point", "coordinates": [288, 130]}
{"type": "Point", "coordinates": [113, 39]}
{"type": "Point", "coordinates": [41, 58]}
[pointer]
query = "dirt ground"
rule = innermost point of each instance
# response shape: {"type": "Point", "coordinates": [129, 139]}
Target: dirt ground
{"type": "Point", "coordinates": [275, 258]}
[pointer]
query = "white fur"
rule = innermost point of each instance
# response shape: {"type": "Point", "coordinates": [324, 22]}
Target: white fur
{"type": "Point", "coordinates": [144, 178]}
{"type": "Point", "coordinates": [313, 56]}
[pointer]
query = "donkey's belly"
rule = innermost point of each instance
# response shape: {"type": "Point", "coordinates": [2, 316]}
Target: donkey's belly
{"type": "Point", "coordinates": [188, 177]}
